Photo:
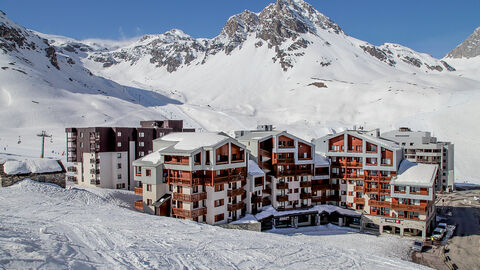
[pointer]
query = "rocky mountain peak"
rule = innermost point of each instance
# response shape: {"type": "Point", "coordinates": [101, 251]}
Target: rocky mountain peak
{"type": "Point", "coordinates": [469, 48]}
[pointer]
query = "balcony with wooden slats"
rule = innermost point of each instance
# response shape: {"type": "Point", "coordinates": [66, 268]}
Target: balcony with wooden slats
{"type": "Point", "coordinates": [358, 188]}
{"type": "Point", "coordinates": [235, 206]}
{"type": "Point", "coordinates": [359, 200]}
{"type": "Point", "coordinates": [138, 191]}
{"type": "Point", "coordinates": [422, 208]}
{"type": "Point", "coordinates": [139, 205]}
{"type": "Point", "coordinates": [179, 212]}
{"type": "Point", "coordinates": [305, 184]}
{"type": "Point", "coordinates": [190, 197]}
{"type": "Point", "coordinates": [375, 203]}
{"type": "Point", "coordinates": [282, 198]}
{"type": "Point", "coordinates": [185, 181]}
{"type": "Point", "coordinates": [235, 192]}
{"type": "Point", "coordinates": [305, 196]}
{"type": "Point", "coordinates": [282, 185]}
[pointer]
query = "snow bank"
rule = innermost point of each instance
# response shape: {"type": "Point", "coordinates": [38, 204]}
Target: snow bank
{"type": "Point", "coordinates": [14, 167]}
{"type": "Point", "coordinates": [270, 211]}
{"type": "Point", "coordinates": [46, 227]}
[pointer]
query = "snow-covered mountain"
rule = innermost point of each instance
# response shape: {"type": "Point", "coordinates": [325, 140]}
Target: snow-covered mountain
{"type": "Point", "coordinates": [288, 65]}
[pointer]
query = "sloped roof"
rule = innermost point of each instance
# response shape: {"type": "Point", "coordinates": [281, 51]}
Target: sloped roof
{"type": "Point", "coordinates": [253, 169]}
{"type": "Point", "coordinates": [357, 133]}
{"type": "Point", "coordinates": [415, 174]}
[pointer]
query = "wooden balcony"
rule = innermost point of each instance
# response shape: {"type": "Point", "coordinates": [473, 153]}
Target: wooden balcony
{"type": "Point", "coordinates": [333, 198]}
{"type": "Point", "coordinates": [190, 197]}
{"type": "Point", "coordinates": [285, 160]}
{"type": "Point", "coordinates": [321, 186]}
{"type": "Point", "coordinates": [138, 191]}
{"type": "Point", "coordinates": [185, 181]}
{"type": "Point", "coordinates": [305, 184]}
{"type": "Point", "coordinates": [371, 190]}
{"type": "Point", "coordinates": [235, 192]}
{"type": "Point", "coordinates": [353, 176]}
{"type": "Point", "coordinates": [321, 199]}
{"type": "Point", "coordinates": [409, 207]}
{"type": "Point", "coordinates": [358, 188]}
{"type": "Point", "coordinates": [422, 192]}
{"type": "Point", "coordinates": [284, 172]}
{"type": "Point", "coordinates": [304, 172]}
{"type": "Point", "coordinates": [282, 198]}
{"type": "Point", "coordinates": [139, 205]}
{"type": "Point", "coordinates": [384, 191]}
{"type": "Point", "coordinates": [359, 200]}
{"type": "Point", "coordinates": [375, 203]}
{"type": "Point", "coordinates": [354, 164]}
{"type": "Point", "coordinates": [282, 185]}
{"type": "Point", "coordinates": [235, 206]}
{"type": "Point", "coordinates": [305, 196]}
{"type": "Point", "coordinates": [189, 213]}
{"type": "Point", "coordinates": [256, 199]}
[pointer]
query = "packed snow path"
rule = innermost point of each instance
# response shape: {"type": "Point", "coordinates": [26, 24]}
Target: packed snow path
{"type": "Point", "coordinates": [46, 227]}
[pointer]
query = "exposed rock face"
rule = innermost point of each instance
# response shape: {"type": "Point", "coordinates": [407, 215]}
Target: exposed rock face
{"type": "Point", "coordinates": [51, 54]}
{"type": "Point", "coordinates": [469, 48]}
{"type": "Point", "coordinates": [278, 23]}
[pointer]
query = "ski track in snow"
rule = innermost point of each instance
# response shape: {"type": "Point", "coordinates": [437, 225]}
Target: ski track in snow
{"type": "Point", "coordinates": [46, 227]}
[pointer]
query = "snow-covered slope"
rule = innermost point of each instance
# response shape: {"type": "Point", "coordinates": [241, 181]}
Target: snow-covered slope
{"type": "Point", "coordinates": [47, 227]}
{"type": "Point", "coordinates": [288, 65]}
{"type": "Point", "coordinates": [42, 88]}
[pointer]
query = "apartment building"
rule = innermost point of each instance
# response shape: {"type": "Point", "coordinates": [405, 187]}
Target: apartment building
{"type": "Point", "coordinates": [288, 163]}
{"type": "Point", "coordinates": [254, 188]}
{"type": "Point", "coordinates": [323, 190]}
{"type": "Point", "coordinates": [102, 156]}
{"type": "Point", "coordinates": [195, 176]}
{"type": "Point", "coordinates": [370, 170]}
{"type": "Point", "coordinates": [421, 147]}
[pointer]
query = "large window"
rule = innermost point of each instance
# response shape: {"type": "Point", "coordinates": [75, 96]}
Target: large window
{"type": "Point", "coordinates": [218, 188]}
{"type": "Point", "coordinates": [219, 217]}
{"type": "Point", "coordinates": [219, 202]}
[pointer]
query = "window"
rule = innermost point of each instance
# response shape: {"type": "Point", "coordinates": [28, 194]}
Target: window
{"type": "Point", "coordinates": [119, 155]}
{"type": "Point", "coordinates": [219, 217]}
{"type": "Point", "coordinates": [220, 202]}
{"type": "Point", "coordinates": [141, 134]}
{"type": "Point", "coordinates": [149, 201]}
{"type": "Point", "coordinates": [119, 176]}
{"type": "Point", "coordinates": [81, 134]}
{"type": "Point", "coordinates": [141, 144]}
{"type": "Point", "coordinates": [148, 172]}
{"type": "Point", "coordinates": [295, 190]}
{"type": "Point", "coordinates": [119, 144]}
{"type": "Point", "coordinates": [411, 144]}
{"type": "Point", "coordinates": [149, 187]}
{"type": "Point", "coordinates": [119, 134]}
{"type": "Point", "coordinates": [218, 188]}
{"type": "Point", "coordinates": [119, 165]}
{"type": "Point", "coordinates": [141, 153]}
{"type": "Point", "coordinates": [138, 171]}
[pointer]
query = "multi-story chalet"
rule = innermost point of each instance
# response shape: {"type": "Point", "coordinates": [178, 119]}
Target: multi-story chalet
{"type": "Point", "coordinates": [421, 147]}
{"type": "Point", "coordinates": [288, 162]}
{"type": "Point", "coordinates": [195, 176]}
{"type": "Point", "coordinates": [323, 190]}
{"type": "Point", "coordinates": [366, 167]}
{"type": "Point", "coordinates": [102, 156]}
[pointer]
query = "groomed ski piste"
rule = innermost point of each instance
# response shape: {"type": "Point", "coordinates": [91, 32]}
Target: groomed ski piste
{"type": "Point", "coordinates": [47, 227]}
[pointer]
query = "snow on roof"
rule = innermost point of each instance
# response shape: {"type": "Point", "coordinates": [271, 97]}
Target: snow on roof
{"type": "Point", "coordinates": [253, 168]}
{"type": "Point", "coordinates": [152, 157]}
{"type": "Point", "coordinates": [321, 160]}
{"type": "Point", "coordinates": [270, 211]}
{"type": "Point", "coordinates": [247, 219]}
{"type": "Point", "coordinates": [194, 140]}
{"type": "Point", "coordinates": [418, 174]}
{"type": "Point", "coordinates": [14, 167]}
{"type": "Point", "coordinates": [258, 135]}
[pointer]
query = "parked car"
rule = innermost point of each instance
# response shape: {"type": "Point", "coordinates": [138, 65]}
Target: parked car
{"type": "Point", "coordinates": [438, 233]}
{"type": "Point", "coordinates": [442, 226]}
{"type": "Point", "coordinates": [418, 246]}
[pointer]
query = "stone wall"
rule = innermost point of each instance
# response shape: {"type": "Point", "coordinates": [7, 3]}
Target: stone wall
{"type": "Point", "coordinates": [53, 178]}
{"type": "Point", "coordinates": [257, 227]}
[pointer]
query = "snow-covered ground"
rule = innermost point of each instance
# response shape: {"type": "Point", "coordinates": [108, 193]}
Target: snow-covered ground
{"type": "Point", "coordinates": [46, 227]}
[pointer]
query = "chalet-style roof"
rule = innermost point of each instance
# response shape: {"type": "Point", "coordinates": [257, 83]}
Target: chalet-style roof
{"type": "Point", "coordinates": [253, 169]}
{"type": "Point", "coordinates": [321, 160]}
{"type": "Point", "coordinates": [364, 135]}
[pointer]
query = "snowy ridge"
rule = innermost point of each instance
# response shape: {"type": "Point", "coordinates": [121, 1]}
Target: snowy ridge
{"type": "Point", "coordinates": [47, 227]}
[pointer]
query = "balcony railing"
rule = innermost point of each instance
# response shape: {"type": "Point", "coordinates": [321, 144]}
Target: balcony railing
{"type": "Point", "coordinates": [422, 192]}
{"type": "Point", "coordinates": [235, 192]}
{"type": "Point", "coordinates": [282, 198]}
{"type": "Point", "coordinates": [256, 199]}
{"type": "Point", "coordinates": [409, 207]}
{"type": "Point", "coordinates": [186, 181]}
{"type": "Point", "coordinates": [94, 182]}
{"type": "Point", "coordinates": [354, 164]}
{"type": "Point", "coordinates": [358, 188]}
{"type": "Point", "coordinates": [190, 197]}
{"type": "Point", "coordinates": [321, 186]}
{"type": "Point", "coordinates": [359, 200]}
{"type": "Point", "coordinates": [282, 185]}
{"type": "Point", "coordinates": [138, 191]}
{"type": "Point", "coordinates": [305, 184]}
{"type": "Point", "coordinates": [286, 160]}
{"type": "Point", "coordinates": [375, 203]}
{"type": "Point", "coordinates": [139, 204]}
{"type": "Point", "coordinates": [179, 212]}
{"type": "Point", "coordinates": [305, 196]}
{"type": "Point", "coordinates": [235, 206]}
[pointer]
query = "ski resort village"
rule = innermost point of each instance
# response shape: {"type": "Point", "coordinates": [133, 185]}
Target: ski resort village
{"type": "Point", "coordinates": [281, 142]}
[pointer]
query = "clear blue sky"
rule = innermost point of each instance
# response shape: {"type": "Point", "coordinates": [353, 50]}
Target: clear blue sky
{"type": "Point", "coordinates": [431, 26]}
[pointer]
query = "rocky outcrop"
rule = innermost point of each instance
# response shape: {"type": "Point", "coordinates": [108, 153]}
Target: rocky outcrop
{"type": "Point", "coordinates": [469, 48]}
{"type": "Point", "coordinates": [52, 55]}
